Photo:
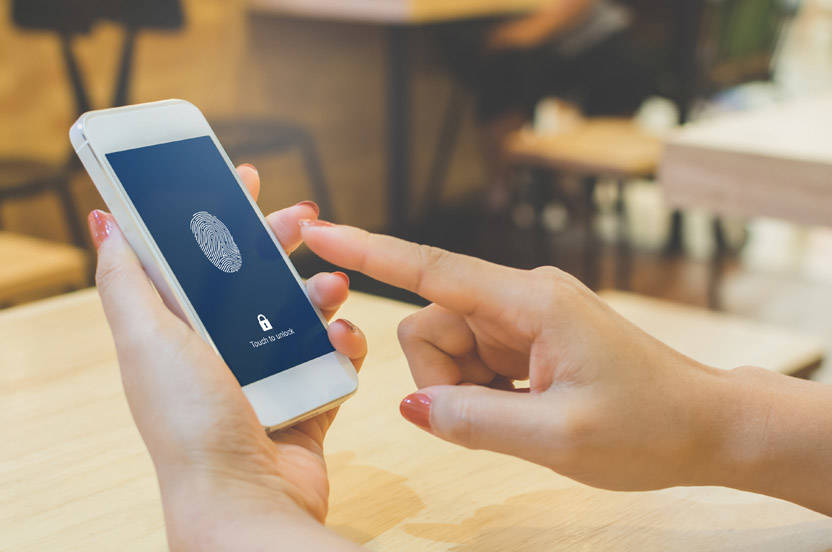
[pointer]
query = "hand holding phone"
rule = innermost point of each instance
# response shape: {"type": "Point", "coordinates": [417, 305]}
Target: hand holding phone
{"type": "Point", "coordinates": [212, 256]}
{"type": "Point", "coordinates": [193, 417]}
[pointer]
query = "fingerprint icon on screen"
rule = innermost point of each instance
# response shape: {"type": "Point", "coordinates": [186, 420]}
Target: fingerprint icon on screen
{"type": "Point", "coordinates": [216, 242]}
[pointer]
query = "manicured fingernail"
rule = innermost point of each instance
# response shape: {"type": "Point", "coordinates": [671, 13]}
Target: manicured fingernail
{"type": "Point", "coordinates": [101, 226]}
{"type": "Point", "coordinates": [310, 204]}
{"type": "Point", "coordinates": [250, 166]}
{"type": "Point", "coordinates": [343, 276]}
{"type": "Point", "coordinates": [307, 223]}
{"type": "Point", "coordinates": [352, 327]}
{"type": "Point", "coordinates": [416, 409]}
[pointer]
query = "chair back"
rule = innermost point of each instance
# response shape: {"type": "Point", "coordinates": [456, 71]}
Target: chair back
{"type": "Point", "coordinates": [705, 46]}
{"type": "Point", "coordinates": [68, 18]}
{"type": "Point", "coordinates": [739, 40]}
{"type": "Point", "coordinates": [79, 16]}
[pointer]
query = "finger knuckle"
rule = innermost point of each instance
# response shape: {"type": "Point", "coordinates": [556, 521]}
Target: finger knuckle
{"type": "Point", "coordinates": [106, 274]}
{"type": "Point", "coordinates": [547, 273]}
{"type": "Point", "coordinates": [459, 428]}
{"type": "Point", "coordinates": [408, 329]}
{"type": "Point", "coordinates": [431, 259]}
{"type": "Point", "coordinates": [431, 256]}
{"type": "Point", "coordinates": [550, 284]}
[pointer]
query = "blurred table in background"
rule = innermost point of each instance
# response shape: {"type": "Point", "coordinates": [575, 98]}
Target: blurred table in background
{"type": "Point", "coordinates": [73, 468]}
{"type": "Point", "coordinates": [407, 12]}
{"type": "Point", "coordinates": [719, 339]}
{"type": "Point", "coordinates": [398, 16]}
{"type": "Point", "coordinates": [774, 162]}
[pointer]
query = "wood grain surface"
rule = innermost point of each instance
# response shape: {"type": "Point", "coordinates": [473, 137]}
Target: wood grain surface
{"type": "Point", "coordinates": [74, 473]}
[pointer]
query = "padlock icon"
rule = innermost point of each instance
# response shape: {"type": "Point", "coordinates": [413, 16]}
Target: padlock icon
{"type": "Point", "coordinates": [264, 322]}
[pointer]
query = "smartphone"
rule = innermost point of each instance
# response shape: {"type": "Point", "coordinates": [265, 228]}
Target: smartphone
{"type": "Point", "coordinates": [212, 256]}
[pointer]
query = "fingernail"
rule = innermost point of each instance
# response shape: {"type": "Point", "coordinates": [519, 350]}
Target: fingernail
{"type": "Point", "coordinates": [343, 276]}
{"type": "Point", "coordinates": [353, 328]}
{"type": "Point", "coordinates": [250, 166]}
{"type": "Point", "coordinates": [311, 204]}
{"type": "Point", "coordinates": [306, 223]}
{"type": "Point", "coordinates": [416, 409]}
{"type": "Point", "coordinates": [101, 226]}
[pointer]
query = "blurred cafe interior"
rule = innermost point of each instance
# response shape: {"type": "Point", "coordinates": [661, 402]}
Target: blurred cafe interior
{"type": "Point", "coordinates": [672, 155]}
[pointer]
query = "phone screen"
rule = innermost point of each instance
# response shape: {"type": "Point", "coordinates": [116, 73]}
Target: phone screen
{"type": "Point", "coordinates": [226, 262]}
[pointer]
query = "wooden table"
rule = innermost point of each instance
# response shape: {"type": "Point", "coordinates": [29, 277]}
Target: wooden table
{"type": "Point", "coordinates": [774, 162]}
{"type": "Point", "coordinates": [720, 339]}
{"type": "Point", "coordinates": [74, 473]}
{"type": "Point", "coordinates": [398, 17]}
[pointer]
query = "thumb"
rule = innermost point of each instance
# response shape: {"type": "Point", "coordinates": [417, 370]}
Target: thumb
{"type": "Point", "coordinates": [127, 295]}
{"type": "Point", "coordinates": [180, 394]}
{"type": "Point", "coordinates": [480, 418]}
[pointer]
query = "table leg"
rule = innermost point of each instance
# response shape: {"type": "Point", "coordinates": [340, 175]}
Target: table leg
{"type": "Point", "coordinates": [398, 128]}
{"type": "Point", "coordinates": [592, 250]}
{"type": "Point", "coordinates": [717, 265]}
{"type": "Point", "coordinates": [624, 252]}
{"type": "Point", "coordinates": [688, 15]}
{"type": "Point", "coordinates": [442, 157]}
{"type": "Point", "coordinates": [675, 240]}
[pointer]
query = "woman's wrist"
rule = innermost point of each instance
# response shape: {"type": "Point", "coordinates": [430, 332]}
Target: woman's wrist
{"type": "Point", "coordinates": [206, 512]}
{"type": "Point", "coordinates": [202, 505]}
{"type": "Point", "coordinates": [698, 423]}
{"type": "Point", "coordinates": [722, 437]}
{"type": "Point", "coordinates": [729, 424]}
{"type": "Point", "coordinates": [772, 436]}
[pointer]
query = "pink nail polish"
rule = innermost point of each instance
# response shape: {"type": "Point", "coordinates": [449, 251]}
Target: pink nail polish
{"type": "Point", "coordinates": [416, 409]}
{"type": "Point", "coordinates": [101, 226]}
{"type": "Point", "coordinates": [309, 223]}
{"type": "Point", "coordinates": [353, 328]}
{"type": "Point", "coordinates": [343, 276]}
{"type": "Point", "coordinates": [311, 204]}
{"type": "Point", "coordinates": [250, 166]}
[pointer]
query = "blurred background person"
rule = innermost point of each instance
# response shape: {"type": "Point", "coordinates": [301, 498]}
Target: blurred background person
{"type": "Point", "coordinates": [581, 51]}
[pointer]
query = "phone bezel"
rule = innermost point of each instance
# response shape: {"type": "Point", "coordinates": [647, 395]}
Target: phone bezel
{"type": "Point", "coordinates": [278, 400]}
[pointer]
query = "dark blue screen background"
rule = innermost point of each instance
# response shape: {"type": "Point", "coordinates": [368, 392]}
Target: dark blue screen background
{"type": "Point", "coordinates": [170, 182]}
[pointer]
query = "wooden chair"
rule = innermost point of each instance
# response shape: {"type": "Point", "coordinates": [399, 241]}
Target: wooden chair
{"type": "Point", "coordinates": [718, 45]}
{"type": "Point", "coordinates": [35, 268]}
{"type": "Point", "coordinates": [718, 339]}
{"type": "Point", "coordinates": [712, 45]}
{"type": "Point", "coordinates": [243, 138]}
{"type": "Point", "coordinates": [603, 147]}
{"type": "Point", "coordinates": [67, 19]}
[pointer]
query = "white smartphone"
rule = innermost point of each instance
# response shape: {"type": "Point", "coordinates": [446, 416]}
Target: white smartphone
{"type": "Point", "coordinates": [212, 256]}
